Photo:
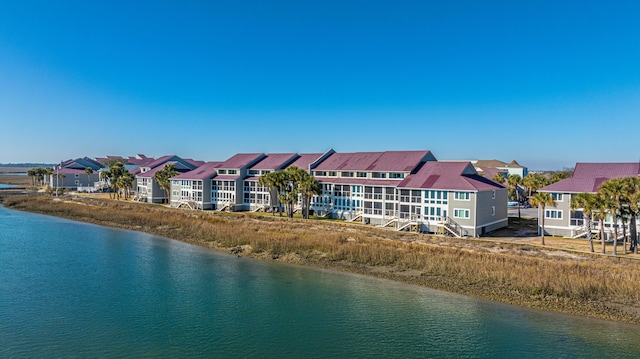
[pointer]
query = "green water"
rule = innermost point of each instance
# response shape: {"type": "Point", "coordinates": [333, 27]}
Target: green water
{"type": "Point", "coordinates": [69, 289]}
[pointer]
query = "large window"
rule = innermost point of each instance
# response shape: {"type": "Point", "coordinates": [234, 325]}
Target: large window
{"type": "Point", "coordinates": [461, 196]}
{"type": "Point", "coordinates": [553, 214]}
{"type": "Point", "coordinates": [557, 197]}
{"type": "Point", "coordinates": [461, 213]}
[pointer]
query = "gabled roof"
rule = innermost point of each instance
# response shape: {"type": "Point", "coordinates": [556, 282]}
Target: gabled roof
{"type": "Point", "coordinates": [206, 171]}
{"type": "Point", "coordinates": [489, 163]}
{"type": "Point", "coordinates": [195, 163]}
{"type": "Point", "coordinates": [82, 163]}
{"type": "Point", "coordinates": [241, 160]}
{"type": "Point", "coordinates": [180, 167]}
{"type": "Point", "coordinates": [513, 164]}
{"type": "Point", "coordinates": [588, 177]}
{"type": "Point", "coordinates": [457, 176]}
{"type": "Point", "coordinates": [389, 161]}
{"type": "Point", "coordinates": [306, 159]}
{"type": "Point", "coordinates": [275, 161]}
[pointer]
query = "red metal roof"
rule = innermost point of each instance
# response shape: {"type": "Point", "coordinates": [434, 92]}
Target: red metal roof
{"type": "Point", "coordinates": [389, 161]}
{"type": "Point", "coordinates": [588, 177]}
{"type": "Point", "coordinates": [460, 176]}
{"type": "Point", "coordinates": [241, 160]}
{"type": "Point", "coordinates": [206, 171]}
{"type": "Point", "coordinates": [306, 159]}
{"type": "Point", "coordinates": [274, 161]}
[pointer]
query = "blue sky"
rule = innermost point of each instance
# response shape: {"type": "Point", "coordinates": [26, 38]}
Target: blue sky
{"type": "Point", "coordinates": [548, 83]}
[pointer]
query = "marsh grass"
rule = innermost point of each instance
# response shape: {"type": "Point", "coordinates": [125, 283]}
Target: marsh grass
{"type": "Point", "coordinates": [512, 273]}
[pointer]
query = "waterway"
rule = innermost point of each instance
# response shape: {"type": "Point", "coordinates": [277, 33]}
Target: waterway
{"type": "Point", "coordinates": [2, 185]}
{"type": "Point", "coordinates": [70, 289]}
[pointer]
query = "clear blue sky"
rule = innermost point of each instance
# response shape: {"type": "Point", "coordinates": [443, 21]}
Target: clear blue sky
{"type": "Point", "coordinates": [548, 83]}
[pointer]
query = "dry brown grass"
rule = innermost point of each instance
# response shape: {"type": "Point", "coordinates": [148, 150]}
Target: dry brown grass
{"type": "Point", "coordinates": [517, 273]}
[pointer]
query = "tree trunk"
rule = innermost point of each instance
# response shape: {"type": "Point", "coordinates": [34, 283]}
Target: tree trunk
{"type": "Point", "coordinates": [542, 221]}
{"type": "Point", "coordinates": [634, 234]}
{"type": "Point", "coordinates": [615, 235]}
{"type": "Point", "coordinates": [624, 237]}
{"type": "Point", "coordinates": [589, 235]}
{"type": "Point", "coordinates": [518, 199]}
{"type": "Point", "coordinates": [602, 234]}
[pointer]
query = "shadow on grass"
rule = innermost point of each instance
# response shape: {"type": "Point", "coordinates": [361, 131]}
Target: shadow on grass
{"type": "Point", "coordinates": [518, 227]}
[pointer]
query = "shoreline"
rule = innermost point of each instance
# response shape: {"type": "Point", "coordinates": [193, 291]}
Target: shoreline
{"type": "Point", "coordinates": [512, 273]}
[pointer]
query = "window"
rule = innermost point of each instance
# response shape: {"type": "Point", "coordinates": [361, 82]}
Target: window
{"type": "Point", "coordinates": [254, 172]}
{"type": "Point", "coordinates": [320, 173]}
{"type": "Point", "coordinates": [346, 174]}
{"type": "Point", "coordinates": [362, 174]}
{"type": "Point", "coordinates": [332, 174]}
{"type": "Point", "coordinates": [553, 214]}
{"type": "Point", "coordinates": [461, 213]}
{"type": "Point", "coordinates": [396, 175]}
{"type": "Point", "coordinates": [461, 196]}
{"type": "Point", "coordinates": [378, 175]}
{"type": "Point", "coordinates": [222, 172]}
{"type": "Point", "coordinates": [557, 197]}
{"type": "Point", "coordinates": [233, 172]}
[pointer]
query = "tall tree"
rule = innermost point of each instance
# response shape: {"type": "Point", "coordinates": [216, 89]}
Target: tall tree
{"type": "Point", "coordinates": [542, 200]}
{"type": "Point", "coordinates": [88, 171]}
{"type": "Point", "coordinates": [274, 181]}
{"type": "Point", "coordinates": [534, 181]}
{"type": "Point", "coordinates": [514, 182]}
{"type": "Point", "coordinates": [499, 177]}
{"type": "Point", "coordinates": [586, 202]}
{"type": "Point", "coordinates": [163, 178]}
{"type": "Point", "coordinates": [612, 191]}
{"type": "Point", "coordinates": [632, 194]}
{"type": "Point", "coordinates": [115, 172]}
{"type": "Point", "coordinates": [309, 187]}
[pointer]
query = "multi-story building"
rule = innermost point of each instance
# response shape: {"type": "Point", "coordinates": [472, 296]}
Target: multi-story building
{"type": "Point", "coordinates": [405, 190]}
{"type": "Point", "coordinates": [71, 174]}
{"type": "Point", "coordinates": [561, 220]}
{"type": "Point", "coordinates": [362, 185]}
{"type": "Point", "coordinates": [227, 188]}
{"type": "Point", "coordinates": [147, 189]}
{"type": "Point", "coordinates": [256, 197]}
{"type": "Point", "coordinates": [193, 189]}
{"type": "Point", "coordinates": [451, 197]}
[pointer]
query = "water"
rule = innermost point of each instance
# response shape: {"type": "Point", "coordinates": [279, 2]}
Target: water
{"type": "Point", "coordinates": [69, 289]}
{"type": "Point", "coordinates": [2, 185]}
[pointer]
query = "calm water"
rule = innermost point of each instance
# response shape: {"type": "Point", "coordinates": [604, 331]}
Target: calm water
{"type": "Point", "coordinates": [2, 185]}
{"type": "Point", "coordinates": [69, 289]}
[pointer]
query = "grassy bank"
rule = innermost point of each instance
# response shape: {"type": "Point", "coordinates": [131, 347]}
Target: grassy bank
{"type": "Point", "coordinates": [512, 273]}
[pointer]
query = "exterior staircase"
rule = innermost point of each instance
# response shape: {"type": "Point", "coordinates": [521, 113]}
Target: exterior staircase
{"type": "Point", "coordinates": [452, 228]}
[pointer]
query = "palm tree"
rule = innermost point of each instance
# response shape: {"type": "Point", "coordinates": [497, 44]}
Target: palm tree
{"type": "Point", "coordinates": [115, 172]}
{"type": "Point", "coordinates": [163, 178]}
{"type": "Point", "coordinates": [274, 181]}
{"type": "Point", "coordinates": [612, 190]}
{"type": "Point", "coordinates": [63, 176]}
{"type": "Point", "coordinates": [88, 171]}
{"type": "Point", "coordinates": [632, 199]}
{"type": "Point", "coordinates": [514, 181]}
{"type": "Point", "coordinates": [542, 199]}
{"type": "Point", "coordinates": [499, 177]}
{"type": "Point", "coordinates": [599, 205]}
{"type": "Point", "coordinates": [309, 186]}
{"type": "Point", "coordinates": [534, 181]}
{"type": "Point", "coordinates": [586, 202]}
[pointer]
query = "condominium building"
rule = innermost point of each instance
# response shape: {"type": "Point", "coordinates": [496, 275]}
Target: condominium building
{"type": "Point", "coordinates": [405, 190]}
{"type": "Point", "coordinates": [147, 189]}
{"type": "Point", "coordinates": [561, 220]}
